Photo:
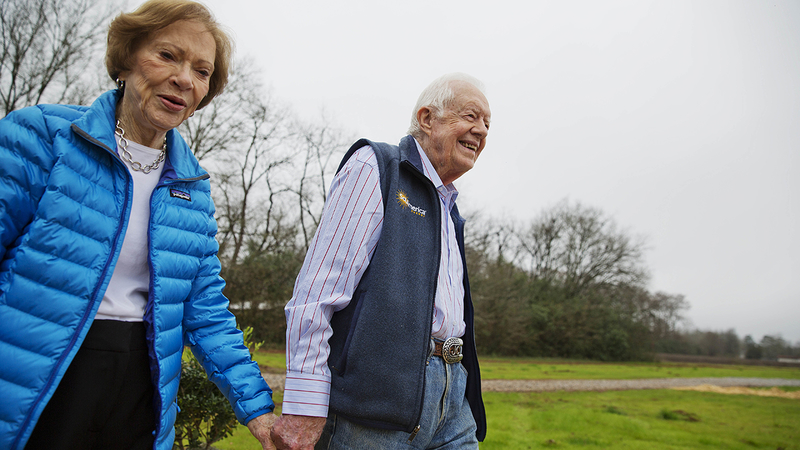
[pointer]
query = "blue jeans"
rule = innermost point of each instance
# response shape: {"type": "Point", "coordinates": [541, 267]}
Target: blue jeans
{"type": "Point", "coordinates": [446, 422]}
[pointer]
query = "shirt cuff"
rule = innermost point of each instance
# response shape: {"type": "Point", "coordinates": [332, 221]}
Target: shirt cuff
{"type": "Point", "coordinates": [306, 395]}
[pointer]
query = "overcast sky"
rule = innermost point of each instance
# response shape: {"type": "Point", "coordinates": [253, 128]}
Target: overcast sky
{"type": "Point", "coordinates": [680, 119]}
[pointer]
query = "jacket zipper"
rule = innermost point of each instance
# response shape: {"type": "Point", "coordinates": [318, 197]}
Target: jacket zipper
{"type": "Point", "coordinates": [161, 184]}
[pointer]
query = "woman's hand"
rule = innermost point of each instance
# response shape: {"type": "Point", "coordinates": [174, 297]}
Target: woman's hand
{"type": "Point", "coordinates": [261, 428]}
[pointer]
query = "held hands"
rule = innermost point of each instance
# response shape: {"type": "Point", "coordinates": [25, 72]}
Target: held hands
{"type": "Point", "coordinates": [297, 432]}
{"type": "Point", "coordinates": [260, 427]}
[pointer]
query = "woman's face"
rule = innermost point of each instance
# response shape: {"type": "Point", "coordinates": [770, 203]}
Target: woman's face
{"type": "Point", "coordinates": [169, 78]}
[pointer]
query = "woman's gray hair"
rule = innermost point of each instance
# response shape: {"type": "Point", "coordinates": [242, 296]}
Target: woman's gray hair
{"type": "Point", "coordinates": [438, 95]}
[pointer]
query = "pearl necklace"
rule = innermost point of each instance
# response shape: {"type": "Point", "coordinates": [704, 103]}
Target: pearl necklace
{"type": "Point", "coordinates": [127, 157]}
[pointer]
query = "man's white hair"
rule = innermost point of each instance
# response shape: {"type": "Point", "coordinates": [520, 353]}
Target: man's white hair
{"type": "Point", "coordinates": [438, 95]}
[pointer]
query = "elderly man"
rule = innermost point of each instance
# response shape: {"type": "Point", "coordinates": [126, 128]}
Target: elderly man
{"type": "Point", "coordinates": [381, 308]}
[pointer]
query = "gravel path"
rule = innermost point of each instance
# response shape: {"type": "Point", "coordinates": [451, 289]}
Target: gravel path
{"type": "Point", "coordinates": [622, 385]}
{"type": "Point", "coordinates": [276, 381]}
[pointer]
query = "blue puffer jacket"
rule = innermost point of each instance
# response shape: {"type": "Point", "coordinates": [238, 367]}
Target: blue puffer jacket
{"type": "Point", "coordinates": [65, 199]}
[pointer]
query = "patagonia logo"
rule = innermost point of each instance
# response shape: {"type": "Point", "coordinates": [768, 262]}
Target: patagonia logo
{"type": "Point", "coordinates": [402, 198]}
{"type": "Point", "coordinates": [180, 194]}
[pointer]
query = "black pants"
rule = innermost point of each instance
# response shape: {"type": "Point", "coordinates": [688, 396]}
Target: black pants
{"type": "Point", "coordinates": [105, 400]}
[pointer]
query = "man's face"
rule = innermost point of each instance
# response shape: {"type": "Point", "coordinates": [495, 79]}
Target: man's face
{"type": "Point", "coordinates": [456, 137]}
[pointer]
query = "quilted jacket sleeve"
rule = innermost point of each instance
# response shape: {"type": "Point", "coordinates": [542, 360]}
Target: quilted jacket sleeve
{"type": "Point", "coordinates": [216, 342]}
{"type": "Point", "coordinates": [25, 161]}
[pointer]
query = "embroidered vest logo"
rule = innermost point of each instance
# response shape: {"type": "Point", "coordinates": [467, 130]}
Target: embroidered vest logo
{"type": "Point", "coordinates": [402, 198]}
{"type": "Point", "coordinates": [180, 194]}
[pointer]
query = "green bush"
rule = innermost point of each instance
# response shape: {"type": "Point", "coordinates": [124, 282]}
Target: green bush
{"type": "Point", "coordinates": [205, 414]}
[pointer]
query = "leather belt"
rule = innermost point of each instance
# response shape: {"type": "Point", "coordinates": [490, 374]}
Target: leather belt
{"type": "Point", "coordinates": [449, 350]}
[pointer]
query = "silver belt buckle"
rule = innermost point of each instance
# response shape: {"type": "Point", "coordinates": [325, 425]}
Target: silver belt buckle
{"type": "Point", "coordinates": [452, 350]}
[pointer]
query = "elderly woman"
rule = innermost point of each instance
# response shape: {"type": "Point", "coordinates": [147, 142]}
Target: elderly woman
{"type": "Point", "coordinates": [108, 257]}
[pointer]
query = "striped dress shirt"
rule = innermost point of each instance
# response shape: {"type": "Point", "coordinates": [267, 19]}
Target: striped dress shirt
{"type": "Point", "coordinates": [338, 256]}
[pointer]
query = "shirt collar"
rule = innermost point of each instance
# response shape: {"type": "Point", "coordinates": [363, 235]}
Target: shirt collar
{"type": "Point", "coordinates": [449, 192]}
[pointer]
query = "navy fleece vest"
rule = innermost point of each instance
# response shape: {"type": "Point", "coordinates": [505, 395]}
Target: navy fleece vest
{"type": "Point", "coordinates": [380, 340]}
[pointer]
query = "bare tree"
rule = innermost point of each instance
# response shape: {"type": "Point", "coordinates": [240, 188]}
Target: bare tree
{"type": "Point", "coordinates": [660, 312]}
{"type": "Point", "coordinates": [223, 126]}
{"type": "Point", "coordinates": [46, 47]}
{"type": "Point", "coordinates": [493, 238]}
{"type": "Point", "coordinates": [262, 160]}
{"type": "Point", "coordinates": [271, 171]}
{"type": "Point", "coordinates": [317, 144]}
{"type": "Point", "coordinates": [244, 137]}
{"type": "Point", "coordinates": [581, 246]}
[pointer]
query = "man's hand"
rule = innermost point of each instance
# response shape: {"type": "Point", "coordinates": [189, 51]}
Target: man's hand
{"type": "Point", "coordinates": [297, 432]}
{"type": "Point", "coordinates": [261, 427]}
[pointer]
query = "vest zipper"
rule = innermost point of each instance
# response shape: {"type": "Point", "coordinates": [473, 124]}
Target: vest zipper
{"type": "Point", "coordinates": [433, 306]}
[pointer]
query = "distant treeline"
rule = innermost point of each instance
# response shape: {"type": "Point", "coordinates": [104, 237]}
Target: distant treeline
{"type": "Point", "coordinates": [727, 344]}
{"type": "Point", "coordinates": [569, 283]}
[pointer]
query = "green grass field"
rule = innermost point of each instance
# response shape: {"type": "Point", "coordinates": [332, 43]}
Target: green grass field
{"type": "Point", "coordinates": [657, 419]}
{"type": "Point", "coordinates": [650, 419]}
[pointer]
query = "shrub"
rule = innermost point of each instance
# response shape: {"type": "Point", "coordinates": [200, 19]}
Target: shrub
{"type": "Point", "coordinates": [205, 414]}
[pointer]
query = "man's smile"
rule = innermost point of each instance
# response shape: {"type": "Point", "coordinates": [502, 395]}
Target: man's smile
{"type": "Point", "coordinates": [472, 147]}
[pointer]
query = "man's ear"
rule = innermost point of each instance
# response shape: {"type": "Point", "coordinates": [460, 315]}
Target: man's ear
{"type": "Point", "coordinates": [425, 119]}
